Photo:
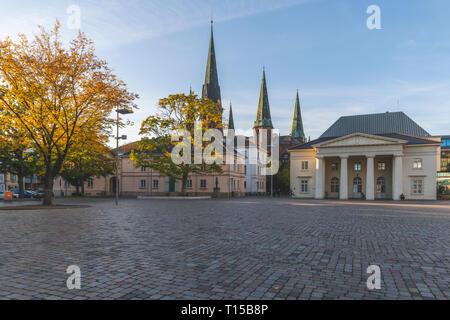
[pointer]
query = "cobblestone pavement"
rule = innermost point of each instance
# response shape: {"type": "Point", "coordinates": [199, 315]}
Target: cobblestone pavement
{"type": "Point", "coordinates": [250, 248]}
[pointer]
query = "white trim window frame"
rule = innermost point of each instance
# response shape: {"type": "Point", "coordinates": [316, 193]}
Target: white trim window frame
{"type": "Point", "coordinates": [417, 163]}
{"type": "Point", "coordinates": [417, 186]}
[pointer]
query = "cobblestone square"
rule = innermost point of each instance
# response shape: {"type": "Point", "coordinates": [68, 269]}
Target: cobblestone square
{"type": "Point", "coordinates": [248, 248]}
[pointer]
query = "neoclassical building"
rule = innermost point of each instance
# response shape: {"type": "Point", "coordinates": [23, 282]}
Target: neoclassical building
{"type": "Point", "coordinates": [375, 156]}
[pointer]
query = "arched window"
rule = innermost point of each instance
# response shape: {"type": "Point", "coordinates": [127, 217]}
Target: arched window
{"type": "Point", "coordinates": [334, 184]}
{"type": "Point", "coordinates": [357, 185]}
{"type": "Point", "coordinates": [381, 185]}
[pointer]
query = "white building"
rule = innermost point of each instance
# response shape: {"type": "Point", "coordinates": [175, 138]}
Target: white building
{"type": "Point", "coordinates": [376, 156]}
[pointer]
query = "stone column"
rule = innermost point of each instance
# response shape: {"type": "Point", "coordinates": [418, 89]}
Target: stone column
{"type": "Point", "coordinates": [370, 180]}
{"type": "Point", "coordinates": [397, 177]}
{"type": "Point", "coordinates": [343, 183]}
{"type": "Point", "coordinates": [320, 177]}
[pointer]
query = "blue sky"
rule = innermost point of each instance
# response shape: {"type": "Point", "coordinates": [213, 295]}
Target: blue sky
{"type": "Point", "coordinates": [321, 47]}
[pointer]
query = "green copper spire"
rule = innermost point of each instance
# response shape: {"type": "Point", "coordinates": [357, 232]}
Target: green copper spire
{"type": "Point", "coordinates": [263, 118]}
{"type": "Point", "coordinates": [211, 88]}
{"type": "Point", "coordinates": [297, 122]}
{"type": "Point", "coordinates": [230, 124]}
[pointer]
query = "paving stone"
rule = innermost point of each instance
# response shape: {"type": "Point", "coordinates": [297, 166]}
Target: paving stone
{"type": "Point", "coordinates": [250, 248]}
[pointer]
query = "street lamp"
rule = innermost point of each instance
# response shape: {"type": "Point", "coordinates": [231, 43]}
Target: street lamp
{"type": "Point", "coordinates": [119, 111]}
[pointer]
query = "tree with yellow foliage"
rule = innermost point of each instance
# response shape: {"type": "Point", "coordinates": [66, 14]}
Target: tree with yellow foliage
{"type": "Point", "coordinates": [178, 112]}
{"type": "Point", "coordinates": [60, 97]}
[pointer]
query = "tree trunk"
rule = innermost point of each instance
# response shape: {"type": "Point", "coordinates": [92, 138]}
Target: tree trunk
{"type": "Point", "coordinates": [183, 185]}
{"type": "Point", "coordinates": [48, 188]}
{"type": "Point", "coordinates": [82, 188]}
{"type": "Point", "coordinates": [77, 189]}
{"type": "Point", "coordinates": [21, 186]}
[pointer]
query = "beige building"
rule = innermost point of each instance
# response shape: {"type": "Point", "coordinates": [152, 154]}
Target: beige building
{"type": "Point", "coordinates": [378, 156]}
{"type": "Point", "coordinates": [142, 181]}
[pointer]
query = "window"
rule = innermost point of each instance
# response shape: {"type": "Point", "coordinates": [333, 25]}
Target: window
{"type": "Point", "coordinates": [381, 166]}
{"type": "Point", "coordinates": [143, 169]}
{"type": "Point", "coordinates": [90, 183]}
{"type": "Point", "coordinates": [13, 178]}
{"type": "Point", "coordinates": [444, 164]}
{"type": "Point", "coordinates": [417, 164]}
{"type": "Point", "coordinates": [335, 185]}
{"type": "Point", "coordinates": [304, 186]}
{"type": "Point", "coordinates": [381, 185]}
{"type": "Point", "coordinates": [189, 184]}
{"type": "Point", "coordinates": [203, 184]}
{"type": "Point", "coordinates": [155, 184]}
{"type": "Point", "coordinates": [357, 166]}
{"type": "Point", "coordinates": [304, 165]}
{"type": "Point", "coordinates": [417, 186]}
{"type": "Point", "coordinates": [143, 184]}
{"type": "Point", "coordinates": [357, 185]}
{"type": "Point", "coordinates": [334, 166]}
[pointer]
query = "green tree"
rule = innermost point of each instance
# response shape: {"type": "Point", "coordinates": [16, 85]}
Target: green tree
{"type": "Point", "coordinates": [18, 161]}
{"type": "Point", "coordinates": [281, 181]}
{"type": "Point", "coordinates": [85, 162]}
{"type": "Point", "coordinates": [177, 112]}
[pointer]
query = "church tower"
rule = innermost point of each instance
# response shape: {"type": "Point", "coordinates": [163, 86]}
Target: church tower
{"type": "Point", "coordinates": [211, 88]}
{"type": "Point", "coordinates": [297, 122]}
{"type": "Point", "coordinates": [263, 118]}
{"type": "Point", "coordinates": [230, 124]}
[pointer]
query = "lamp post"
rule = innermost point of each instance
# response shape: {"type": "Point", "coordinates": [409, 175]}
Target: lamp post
{"type": "Point", "coordinates": [119, 111]}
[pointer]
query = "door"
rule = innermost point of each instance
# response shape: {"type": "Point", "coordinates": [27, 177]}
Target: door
{"type": "Point", "coordinates": [357, 188]}
{"type": "Point", "coordinates": [171, 185]}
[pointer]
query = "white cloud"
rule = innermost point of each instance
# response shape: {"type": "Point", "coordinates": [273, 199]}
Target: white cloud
{"type": "Point", "coordinates": [114, 22]}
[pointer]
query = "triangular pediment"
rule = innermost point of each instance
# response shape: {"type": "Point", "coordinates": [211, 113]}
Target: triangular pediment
{"type": "Point", "coordinates": [359, 139]}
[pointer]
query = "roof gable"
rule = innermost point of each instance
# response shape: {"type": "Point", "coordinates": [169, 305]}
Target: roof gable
{"type": "Point", "coordinates": [359, 139]}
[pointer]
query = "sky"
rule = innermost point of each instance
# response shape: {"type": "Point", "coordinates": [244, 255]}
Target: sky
{"type": "Point", "coordinates": [323, 48]}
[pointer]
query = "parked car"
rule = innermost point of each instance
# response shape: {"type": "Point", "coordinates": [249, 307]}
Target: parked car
{"type": "Point", "coordinates": [26, 193]}
{"type": "Point", "coordinates": [38, 194]}
{"type": "Point", "coordinates": [29, 194]}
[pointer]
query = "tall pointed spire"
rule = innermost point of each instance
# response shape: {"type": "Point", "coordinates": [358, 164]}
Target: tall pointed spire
{"type": "Point", "coordinates": [230, 124]}
{"type": "Point", "coordinates": [263, 118]}
{"type": "Point", "coordinates": [297, 122]}
{"type": "Point", "coordinates": [211, 88]}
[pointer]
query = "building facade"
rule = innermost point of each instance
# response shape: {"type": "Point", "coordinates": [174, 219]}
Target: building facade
{"type": "Point", "coordinates": [8, 182]}
{"type": "Point", "coordinates": [378, 156]}
{"type": "Point", "coordinates": [140, 181]}
{"type": "Point", "coordinates": [444, 170]}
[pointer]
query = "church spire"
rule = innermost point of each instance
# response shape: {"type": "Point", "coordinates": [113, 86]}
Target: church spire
{"type": "Point", "coordinates": [211, 88]}
{"type": "Point", "coordinates": [230, 124]}
{"type": "Point", "coordinates": [297, 122]}
{"type": "Point", "coordinates": [263, 118]}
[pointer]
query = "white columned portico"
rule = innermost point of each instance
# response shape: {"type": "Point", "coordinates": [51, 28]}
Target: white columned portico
{"type": "Point", "coordinates": [320, 177]}
{"type": "Point", "coordinates": [370, 180]}
{"type": "Point", "coordinates": [397, 177]}
{"type": "Point", "coordinates": [343, 183]}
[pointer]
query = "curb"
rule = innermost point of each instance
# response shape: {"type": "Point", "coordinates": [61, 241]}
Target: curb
{"type": "Point", "coordinates": [173, 198]}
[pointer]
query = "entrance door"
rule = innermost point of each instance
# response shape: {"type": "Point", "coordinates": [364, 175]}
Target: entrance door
{"type": "Point", "coordinates": [357, 188]}
{"type": "Point", "coordinates": [171, 185]}
{"type": "Point", "coordinates": [112, 185]}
